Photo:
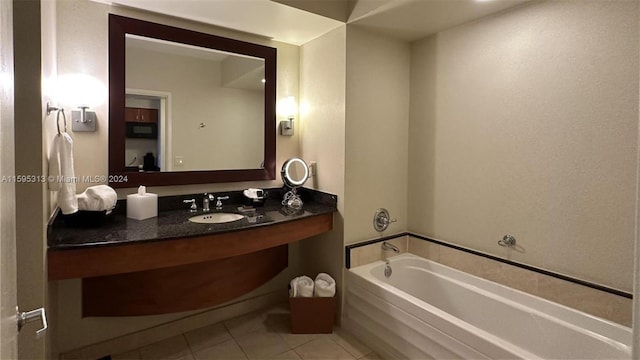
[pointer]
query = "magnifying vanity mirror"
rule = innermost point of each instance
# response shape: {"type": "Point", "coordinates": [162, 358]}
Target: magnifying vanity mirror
{"type": "Point", "coordinates": [295, 173]}
{"type": "Point", "coordinates": [187, 107]}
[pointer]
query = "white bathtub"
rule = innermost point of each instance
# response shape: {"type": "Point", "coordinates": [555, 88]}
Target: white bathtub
{"type": "Point", "coordinates": [428, 310]}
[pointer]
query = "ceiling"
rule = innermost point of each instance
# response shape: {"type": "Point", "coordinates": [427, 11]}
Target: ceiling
{"type": "Point", "coordinates": [411, 20]}
{"type": "Point", "coordinates": [299, 21]}
{"type": "Point", "coordinates": [262, 17]}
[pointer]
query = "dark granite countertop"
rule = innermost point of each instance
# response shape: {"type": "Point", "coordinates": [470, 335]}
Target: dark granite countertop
{"type": "Point", "coordinates": [173, 220]}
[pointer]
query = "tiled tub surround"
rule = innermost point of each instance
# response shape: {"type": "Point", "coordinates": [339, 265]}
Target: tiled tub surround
{"type": "Point", "coordinates": [616, 307]}
{"type": "Point", "coordinates": [426, 310]}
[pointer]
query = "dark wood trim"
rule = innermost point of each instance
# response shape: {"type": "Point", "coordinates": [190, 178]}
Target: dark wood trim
{"type": "Point", "coordinates": [492, 257]}
{"type": "Point", "coordinates": [119, 26]}
{"type": "Point", "coordinates": [181, 288]}
{"type": "Point", "coordinates": [119, 259]}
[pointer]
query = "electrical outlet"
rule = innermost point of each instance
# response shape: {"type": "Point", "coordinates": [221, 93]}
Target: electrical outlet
{"type": "Point", "coordinates": [178, 161]}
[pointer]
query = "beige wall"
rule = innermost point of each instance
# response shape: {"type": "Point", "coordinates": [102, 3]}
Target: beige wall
{"type": "Point", "coordinates": [322, 129]}
{"type": "Point", "coordinates": [354, 123]}
{"type": "Point", "coordinates": [377, 134]}
{"type": "Point", "coordinates": [233, 118]}
{"type": "Point", "coordinates": [526, 123]}
{"type": "Point", "coordinates": [322, 110]}
{"type": "Point", "coordinates": [82, 48]}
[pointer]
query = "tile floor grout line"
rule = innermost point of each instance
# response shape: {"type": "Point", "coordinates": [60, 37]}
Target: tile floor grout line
{"type": "Point", "coordinates": [352, 354]}
{"type": "Point", "coordinates": [241, 349]}
{"type": "Point", "coordinates": [186, 340]}
{"type": "Point", "coordinates": [297, 353]}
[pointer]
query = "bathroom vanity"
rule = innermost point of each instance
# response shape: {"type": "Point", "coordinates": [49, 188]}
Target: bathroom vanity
{"type": "Point", "coordinates": [131, 267]}
{"type": "Point", "coordinates": [169, 263]}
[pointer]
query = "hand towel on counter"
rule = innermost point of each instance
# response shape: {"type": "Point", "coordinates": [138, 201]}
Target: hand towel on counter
{"type": "Point", "coordinates": [61, 164]}
{"type": "Point", "coordinates": [301, 286]}
{"type": "Point", "coordinates": [97, 198]}
{"type": "Point", "coordinates": [325, 286]}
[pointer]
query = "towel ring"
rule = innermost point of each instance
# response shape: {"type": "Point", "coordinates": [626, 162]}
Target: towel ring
{"type": "Point", "coordinates": [58, 120]}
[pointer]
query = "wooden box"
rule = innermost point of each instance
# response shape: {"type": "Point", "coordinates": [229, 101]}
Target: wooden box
{"type": "Point", "coordinates": [312, 315]}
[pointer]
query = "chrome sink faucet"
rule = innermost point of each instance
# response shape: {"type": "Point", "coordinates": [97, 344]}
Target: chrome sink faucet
{"type": "Point", "coordinates": [208, 198]}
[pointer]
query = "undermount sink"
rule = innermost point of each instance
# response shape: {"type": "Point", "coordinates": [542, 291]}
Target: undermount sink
{"type": "Point", "coordinates": [216, 218]}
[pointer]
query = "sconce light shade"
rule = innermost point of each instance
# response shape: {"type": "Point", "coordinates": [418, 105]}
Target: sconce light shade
{"type": "Point", "coordinates": [289, 109]}
{"type": "Point", "coordinates": [80, 90]}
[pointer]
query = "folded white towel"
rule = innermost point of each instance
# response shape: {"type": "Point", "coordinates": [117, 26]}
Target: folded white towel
{"type": "Point", "coordinates": [61, 164]}
{"type": "Point", "coordinates": [302, 286]}
{"type": "Point", "coordinates": [97, 198]}
{"type": "Point", "coordinates": [325, 286]}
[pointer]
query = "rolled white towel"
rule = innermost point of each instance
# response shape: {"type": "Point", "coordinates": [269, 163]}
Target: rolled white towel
{"type": "Point", "coordinates": [325, 286]}
{"type": "Point", "coordinates": [97, 198]}
{"type": "Point", "coordinates": [302, 286]}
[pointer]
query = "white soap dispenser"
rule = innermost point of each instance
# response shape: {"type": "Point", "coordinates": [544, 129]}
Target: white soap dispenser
{"type": "Point", "coordinates": [142, 205]}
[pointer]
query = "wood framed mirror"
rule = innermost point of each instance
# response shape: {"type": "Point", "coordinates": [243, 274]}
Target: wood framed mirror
{"type": "Point", "coordinates": [222, 131]}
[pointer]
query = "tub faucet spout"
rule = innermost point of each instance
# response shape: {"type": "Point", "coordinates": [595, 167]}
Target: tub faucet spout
{"type": "Point", "coordinates": [390, 247]}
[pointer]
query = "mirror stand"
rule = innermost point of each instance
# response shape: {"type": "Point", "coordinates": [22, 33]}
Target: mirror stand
{"type": "Point", "coordinates": [292, 199]}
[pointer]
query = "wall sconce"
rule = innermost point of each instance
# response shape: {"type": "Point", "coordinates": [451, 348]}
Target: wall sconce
{"type": "Point", "coordinates": [85, 90]}
{"type": "Point", "coordinates": [289, 110]}
{"type": "Point", "coordinates": [83, 120]}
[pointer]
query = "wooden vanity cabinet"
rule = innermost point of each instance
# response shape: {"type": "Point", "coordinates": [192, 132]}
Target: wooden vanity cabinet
{"type": "Point", "coordinates": [152, 277]}
{"type": "Point", "coordinates": [140, 115]}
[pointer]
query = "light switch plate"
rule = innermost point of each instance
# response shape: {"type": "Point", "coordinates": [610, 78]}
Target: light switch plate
{"type": "Point", "coordinates": [312, 168]}
{"type": "Point", "coordinates": [87, 126]}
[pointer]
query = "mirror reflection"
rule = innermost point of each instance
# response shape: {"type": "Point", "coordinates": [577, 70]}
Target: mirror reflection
{"type": "Point", "coordinates": [189, 137]}
{"type": "Point", "coordinates": [184, 103]}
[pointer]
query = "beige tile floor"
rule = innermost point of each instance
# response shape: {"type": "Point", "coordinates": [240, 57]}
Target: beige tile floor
{"type": "Point", "coordinates": [259, 335]}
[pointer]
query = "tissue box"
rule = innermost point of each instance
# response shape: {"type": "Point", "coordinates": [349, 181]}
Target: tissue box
{"type": "Point", "coordinates": [142, 206]}
{"type": "Point", "coordinates": [312, 315]}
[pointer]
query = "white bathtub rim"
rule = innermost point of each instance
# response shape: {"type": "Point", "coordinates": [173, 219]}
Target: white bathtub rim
{"type": "Point", "coordinates": [478, 339]}
{"type": "Point", "coordinates": [525, 308]}
{"type": "Point", "coordinates": [481, 340]}
{"type": "Point", "coordinates": [426, 339]}
{"type": "Point", "coordinates": [623, 333]}
{"type": "Point", "coordinates": [458, 327]}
